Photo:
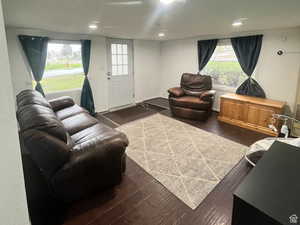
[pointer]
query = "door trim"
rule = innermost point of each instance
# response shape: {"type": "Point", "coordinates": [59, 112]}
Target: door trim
{"type": "Point", "coordinates": [108, 41]}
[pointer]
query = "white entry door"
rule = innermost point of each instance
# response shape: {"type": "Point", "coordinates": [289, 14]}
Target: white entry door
{"type": "Point", "coordinates": [120, 73]}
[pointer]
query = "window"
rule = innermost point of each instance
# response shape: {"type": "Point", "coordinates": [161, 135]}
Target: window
{"type": "Point", "coordinates": [63, 69]}
{"type": "Point", "coordinates": [224, 67]}
{"type": "Point", "coordinates": [119, 54]}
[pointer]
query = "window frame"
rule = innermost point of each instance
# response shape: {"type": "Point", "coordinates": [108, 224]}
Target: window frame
{"type": "Point", "coordinates": [61, 41]}
{"type": "Point", "coordinates": [117, 54]}
{"type": "Point", "coordinates": [223, 42]}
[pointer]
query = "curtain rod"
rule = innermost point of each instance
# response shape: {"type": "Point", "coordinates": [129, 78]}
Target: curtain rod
{"type": "Point", "coordinates": [56, 39]}
{"type": "Point", "coordinates": [228, 38]}
{"type": "Point", "coordinates": [222, 39]}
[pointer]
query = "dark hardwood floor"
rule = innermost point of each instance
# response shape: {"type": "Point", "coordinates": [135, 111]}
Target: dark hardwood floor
{"type": "Point", "coordinates": [133, 113]}
{"type": "Point", "coordinates": [141, 200]}
{"type": "Point", "coordinates": [159, 102]}
{"type": "Point", "coordinates": [237, 134]}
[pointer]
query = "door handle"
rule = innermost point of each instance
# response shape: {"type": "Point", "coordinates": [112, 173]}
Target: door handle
{"type": "Point", "coordinates": [108, 75]}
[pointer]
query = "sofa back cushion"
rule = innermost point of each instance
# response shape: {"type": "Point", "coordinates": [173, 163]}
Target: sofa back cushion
{"type": "Point", "coordinates": [195, 84]}
{"type": "Point", "coordinates": [41, 118]}
{"type": "Point", "coordinates": [48, 152]}
{"type": "Point", "coordinates": [34, 112]}
{"type": "Point", "coordinates": [30, 97]}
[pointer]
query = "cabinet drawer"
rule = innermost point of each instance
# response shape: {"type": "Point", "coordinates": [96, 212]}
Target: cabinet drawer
{"type": "Point", "coordinates": [232, 109]}
{"type": "Point", "coordinates": [259, 115]}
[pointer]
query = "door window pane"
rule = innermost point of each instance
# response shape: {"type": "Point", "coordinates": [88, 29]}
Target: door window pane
{"type": "Point", "coordinates": [120, 49]}
{"type": "Point", "coordinates": [119, 59]}
{"type": "Point", "coordinates": [114, 49]}
{"type": "Point", "coordinates": [124, 49]}
{"type": "Point", "coordinates": [120, 70]}
{"type": "Point", "coordinates": [114, 59]}
{"type": "Point", "coordinates": [114, 70]}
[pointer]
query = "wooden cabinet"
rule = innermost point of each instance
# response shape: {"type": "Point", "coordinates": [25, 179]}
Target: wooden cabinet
{"type": "Point", "coordinates": [249, 112]}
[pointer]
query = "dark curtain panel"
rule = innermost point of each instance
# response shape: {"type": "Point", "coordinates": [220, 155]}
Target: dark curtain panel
{"type": "Point", "coordinates": [247, 50]}
{"type": "Point", "coordinates": [35, 49]}
{"type": "Point", "coordinates": [87, 100]}
{"type": "Point", "coordinates": [206, 49]}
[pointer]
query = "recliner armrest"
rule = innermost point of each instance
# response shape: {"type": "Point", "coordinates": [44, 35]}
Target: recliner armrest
{"type": "Point", "coordinates": [208, 95]}
{"type": "Point", "coordinates": [61, 103]}
{"type": "Point", "coordinates": [176, 92]}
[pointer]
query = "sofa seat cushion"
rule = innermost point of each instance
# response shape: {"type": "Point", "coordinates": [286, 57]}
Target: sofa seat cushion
{"type": "Point", "coordinates": [79, 122]}
{"type": "Point", "coordinates": [69, 111]}
{"type": "Point", "coordinates": [98, 130]}
{"type": "Point", "coordinates": [190, 102]}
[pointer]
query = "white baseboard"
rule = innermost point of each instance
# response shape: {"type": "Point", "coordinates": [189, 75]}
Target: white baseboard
{"type": "Point", "coordinates": [145, 99]}
{"type": "Point", "coordinates": [121, 107]}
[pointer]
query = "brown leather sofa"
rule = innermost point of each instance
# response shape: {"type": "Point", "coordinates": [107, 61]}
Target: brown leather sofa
{"type": "Point", "coordinates": [76, 154]}
{"type": "Point", "coordinates": [194, 98]}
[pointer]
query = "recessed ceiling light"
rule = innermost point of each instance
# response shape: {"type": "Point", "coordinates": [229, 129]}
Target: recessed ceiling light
{"type": "Point", "coordinates": [124, 3]}
{"type": "Point", "coordinates": [161, 34]}
{"type": "Point", "coordinates": [166, 2]}
{"type": "Point", "coordinates": [93, 26]}
{"type": "Point", "coordinates": [237, 23]}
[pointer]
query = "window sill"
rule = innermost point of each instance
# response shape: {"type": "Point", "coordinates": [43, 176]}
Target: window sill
{"type": "Point", "coordinates": [224, 88]}
{"type": "Point", "coordinates": [64, 92]}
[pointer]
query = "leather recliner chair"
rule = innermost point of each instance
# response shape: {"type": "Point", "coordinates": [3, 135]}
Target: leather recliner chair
{"type": "Point", "coordinates": [194, 98]}
{"type": "Point", "coordinates": [75, 153]}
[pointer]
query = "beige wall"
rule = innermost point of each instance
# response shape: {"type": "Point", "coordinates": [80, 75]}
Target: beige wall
{"type": "Point", "coordinates": [278, 75]}
{"type": "Point", "coordinates": [146, 66]}
{"type": "Point", "coordinates": [158, 66]}
{"type": "Point", "coordinates": [146, 69]}
{"type": "Point", "coordinates": [13, 207]}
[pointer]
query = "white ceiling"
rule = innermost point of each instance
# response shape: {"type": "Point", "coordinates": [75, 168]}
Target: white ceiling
{"type": "Point", "coordinates": [178, 20]}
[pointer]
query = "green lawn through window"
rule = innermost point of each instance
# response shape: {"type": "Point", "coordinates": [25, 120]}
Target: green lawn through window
{"type": "Point", "coordinates": [225, 73]}
{"type": "Point", "coordinates": [62, 66]}
{"type": "Point", "coordinates": [62, 83]}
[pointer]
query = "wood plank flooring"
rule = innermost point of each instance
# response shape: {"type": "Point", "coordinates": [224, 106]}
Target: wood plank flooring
{"type": "Point", "coordinates": [141, 200]}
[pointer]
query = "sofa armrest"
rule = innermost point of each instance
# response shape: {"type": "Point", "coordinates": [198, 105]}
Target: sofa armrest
{"type": "Point", "coordinates": [113, 141]}
{"type": "Point", "coordinates": [61, 103]}
{"type": "Point", "coordinates": [48, 152]}
{"type": "Point", "coordinates": [94, 165]}
{"type": "Point", "coordinates": [176, 92]}
{"type": "Point", "coordinates": [208, 95]}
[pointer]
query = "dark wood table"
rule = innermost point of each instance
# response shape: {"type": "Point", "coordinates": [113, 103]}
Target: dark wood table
{"type": "Point", "coordinates": [270, 194]}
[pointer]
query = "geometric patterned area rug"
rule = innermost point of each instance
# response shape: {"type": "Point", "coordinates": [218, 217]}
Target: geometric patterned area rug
{"type": "Point", "coordinates": [187, 160]}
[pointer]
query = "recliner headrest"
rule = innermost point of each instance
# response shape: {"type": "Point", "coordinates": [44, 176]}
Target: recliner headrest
{"type": "Point", "coordinates": [194, 84]}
